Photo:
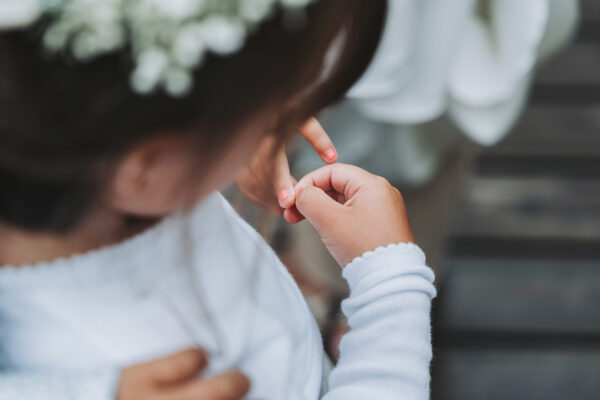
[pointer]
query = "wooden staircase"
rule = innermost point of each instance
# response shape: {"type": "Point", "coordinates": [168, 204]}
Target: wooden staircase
{"type": "Point", "coordinates": [518, 313]}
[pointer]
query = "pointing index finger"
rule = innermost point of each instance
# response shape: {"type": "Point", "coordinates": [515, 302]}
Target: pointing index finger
{"type": "Point", "coordinates": [314, 134]}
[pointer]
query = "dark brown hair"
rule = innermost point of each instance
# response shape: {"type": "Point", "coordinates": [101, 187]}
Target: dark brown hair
{"type": "Point", "coordinates": [63, 124]}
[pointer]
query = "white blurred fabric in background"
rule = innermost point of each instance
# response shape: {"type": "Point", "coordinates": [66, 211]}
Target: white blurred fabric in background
{"type": "Point", "coordinates": [472, 60]}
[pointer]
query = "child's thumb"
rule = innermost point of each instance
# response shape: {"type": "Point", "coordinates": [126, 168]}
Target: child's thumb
{"type": "Point", "coordinates": [316, 205]}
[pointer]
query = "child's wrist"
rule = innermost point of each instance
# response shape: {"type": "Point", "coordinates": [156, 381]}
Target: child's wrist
{"type": "Point", "coordinates": [389, 260]}
{"type": "Point", "coordinates": [408, 250]}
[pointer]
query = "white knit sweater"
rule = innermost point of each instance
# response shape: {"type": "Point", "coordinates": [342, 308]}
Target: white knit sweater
{"type": "Point", "coordinates": [142, 299]}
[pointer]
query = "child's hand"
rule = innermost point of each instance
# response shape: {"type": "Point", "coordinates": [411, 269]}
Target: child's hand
{"type": "Point", "coordinates": [175, 378]}
{"type": "Point", "coordinates": [353, 210]}
{"type": "Point", "coordinates": [267, 180]}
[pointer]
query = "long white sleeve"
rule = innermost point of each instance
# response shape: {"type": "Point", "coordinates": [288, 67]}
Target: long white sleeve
{"type": "Point", "coordinates": [386, 353]}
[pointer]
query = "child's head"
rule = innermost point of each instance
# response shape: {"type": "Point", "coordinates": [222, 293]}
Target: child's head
{"type": "Point", "coordinates": [74, 136]}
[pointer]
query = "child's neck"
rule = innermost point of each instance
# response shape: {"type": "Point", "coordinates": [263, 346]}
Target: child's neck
{"type": "Point", "coordinates": [102, 229]}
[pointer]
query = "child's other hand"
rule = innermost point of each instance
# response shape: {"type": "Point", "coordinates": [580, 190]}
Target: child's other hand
{"type": "Point", "coordinates": [176, 378]}
{"type": "Point", "coordinates": [267, 180]}
{"type": "Point", "coordinates": [353, 210]}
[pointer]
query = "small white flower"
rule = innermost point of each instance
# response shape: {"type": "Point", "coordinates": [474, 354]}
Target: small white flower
{"type": "Point", "coordinates": [189, 46]}
{"type": "Point", "coordinates": [18, 13]}
{"type": "Point", "coordinates": [180, 9]}
{"type": "Point", "coordinates": [92, 43]}
{"type": "Point", "coordinates": [151, 66]}
{"type": "Point", "coordinates": [178, 82]}
{"type": "Point", "coordinates": [223, 35]}
{"type": "Point", "coordinates": [255, 11]}
{"type": "Point", "coordinates": [55, 38]}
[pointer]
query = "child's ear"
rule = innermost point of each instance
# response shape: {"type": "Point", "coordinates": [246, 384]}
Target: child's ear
{"type": "Point", "coordinates": [144, 181]}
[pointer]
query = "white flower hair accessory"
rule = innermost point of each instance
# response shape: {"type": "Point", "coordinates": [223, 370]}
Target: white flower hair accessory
{"type": "Point", "coordinates": [168, 38]}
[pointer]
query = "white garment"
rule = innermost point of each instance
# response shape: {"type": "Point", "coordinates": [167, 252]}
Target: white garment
{"type": "Point", "coordinates": [135, 302]}
{"type": "Point", "coordinates": [442, 55]}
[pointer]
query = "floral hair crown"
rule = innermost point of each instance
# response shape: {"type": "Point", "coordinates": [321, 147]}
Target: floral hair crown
{"type": "Point", "coordinates": [168, 38]}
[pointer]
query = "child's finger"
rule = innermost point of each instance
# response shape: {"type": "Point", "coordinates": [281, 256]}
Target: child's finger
{"type": "Point", "coordinates": [353, 210]}
{"type": "Point", "coordinates": [314, 134]}
{"type": "Point", "coordinates": [341, 178]}
{"type": "Point", "coordinates": [229, 386]}
{"type": "Point", "coordinates": [283, 182]}
{"type": "Point", "coordinates": [318, 207]}
{"type": "Point", "coordinates": [292, 215]}
{"type": "Point", "coordinates": [176, 368]}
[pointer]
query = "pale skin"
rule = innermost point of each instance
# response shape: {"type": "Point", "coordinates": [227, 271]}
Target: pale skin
{"type": "Point", "coordinates": [352, 210]}
{"type": "Point", "coordinates": [176, 378]}
{"type": "Point", "coordinates": [267, 180]}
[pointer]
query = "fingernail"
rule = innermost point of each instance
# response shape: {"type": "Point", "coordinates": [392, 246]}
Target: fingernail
{"type": "Point", "coordinates": [284, 195]}
{"type": "Point", "coordinates": [330, 154]}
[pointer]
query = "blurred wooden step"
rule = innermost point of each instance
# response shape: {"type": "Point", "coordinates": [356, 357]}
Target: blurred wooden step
{"type": "Point", "coordinates": [548, 131]}
{"type": "Point", "coordinates": [538, 208]}
{"type": "Point", "coordinates": [589, 26]}
{"type": "Point", "coordinates": [589, 30]}
{"type": "Point", "coordinates": [559, 166]}
{"type": "Point", "coordinates": [503, 248]}
{"type": "Point", "coordinates": [590, 10]}
{"type": "Point", "coordinates": [518, 375]}
{"type": "Point", "coordinates": [578, 64]}
{"type": "Point", "coordinates": [518, 313]}
{"type": "Point", "coordinates": [572, 79]}
{"type": "Point", "coordinates": [566, 95]}
{"type": "Point", "coordinates": [521, 295]}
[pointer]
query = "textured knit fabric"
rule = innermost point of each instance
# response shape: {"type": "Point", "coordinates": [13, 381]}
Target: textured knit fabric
{"type": "Point", "coordinates": [387, 352]}
{"type": "Point", "coordinates": [140, 300]}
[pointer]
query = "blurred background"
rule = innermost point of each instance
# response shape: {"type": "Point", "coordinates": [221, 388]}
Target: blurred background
{"type": "Point", "coordinates": [518, 312]}
{"type": "Point", "coordinates": [491, 129]}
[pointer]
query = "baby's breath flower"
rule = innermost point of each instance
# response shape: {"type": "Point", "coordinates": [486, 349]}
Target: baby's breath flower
{"type": "Point", "coordinates": [223, 35]}
{"type": "Point", "coordinates": [168, 39]}
{"type": "Point", "coordinates": [151, 66]}
{"type": "Point", "coordinates": [189, 45]}
{"type": "Point", "coordinates": [255, 11]}
{"type": "Point", "coordinates": [178, 81]}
